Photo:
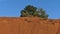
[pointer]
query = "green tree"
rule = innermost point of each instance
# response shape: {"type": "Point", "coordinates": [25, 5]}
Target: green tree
{"type": "Point", "coordinates": [42, 13]}
{"type": "Point", "coordinates": [30, 10]}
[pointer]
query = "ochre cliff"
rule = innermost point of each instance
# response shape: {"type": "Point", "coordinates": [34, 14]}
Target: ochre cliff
{"type": "Point", "coordinates": [29, 25]}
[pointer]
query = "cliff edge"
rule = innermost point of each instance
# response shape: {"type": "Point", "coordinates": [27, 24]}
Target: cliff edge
{"type": "Point", "coordinates": [29, 25]}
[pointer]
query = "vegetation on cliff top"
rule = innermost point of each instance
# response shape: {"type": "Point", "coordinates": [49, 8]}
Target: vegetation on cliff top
{"type": "Point", "coordinates": [31, 11]}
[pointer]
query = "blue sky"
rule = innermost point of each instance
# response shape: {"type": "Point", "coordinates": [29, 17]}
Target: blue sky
{"type": "Point", "coordinates": [12, 8]}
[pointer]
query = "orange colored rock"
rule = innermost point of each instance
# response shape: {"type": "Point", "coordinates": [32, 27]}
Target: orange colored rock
{"type": "Point", "coordinates": [29, 25]}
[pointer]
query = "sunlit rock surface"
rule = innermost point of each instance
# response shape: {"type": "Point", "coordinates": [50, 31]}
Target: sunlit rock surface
{"type": "Point", "coordinates": [29, 25]}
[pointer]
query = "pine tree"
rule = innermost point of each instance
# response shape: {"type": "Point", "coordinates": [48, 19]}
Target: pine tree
{"type": "Point", "coordinates": [30, 10]}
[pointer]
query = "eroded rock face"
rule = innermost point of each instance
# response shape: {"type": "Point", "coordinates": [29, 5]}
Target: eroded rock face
{"type": "Point", "coordinates": [28, 25]}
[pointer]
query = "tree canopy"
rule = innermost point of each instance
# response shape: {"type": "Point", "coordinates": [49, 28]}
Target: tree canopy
{"type": "Point", "coordinates": [30, 10]}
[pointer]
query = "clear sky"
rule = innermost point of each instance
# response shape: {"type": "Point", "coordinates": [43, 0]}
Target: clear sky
{"type": "Point", "coordinates": [12, 8]}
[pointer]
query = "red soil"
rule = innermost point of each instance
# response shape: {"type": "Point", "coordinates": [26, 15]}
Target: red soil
{"type": "Point", "coordinates": [28, 25]}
